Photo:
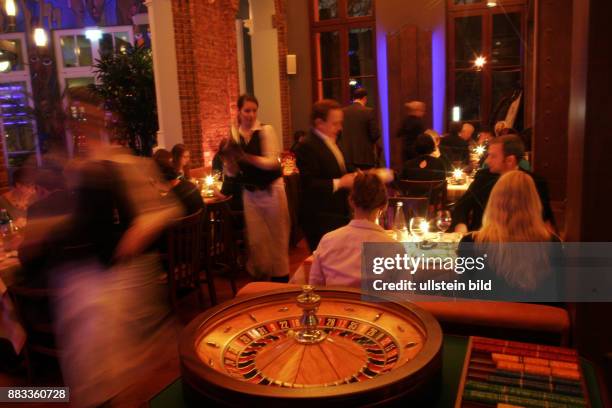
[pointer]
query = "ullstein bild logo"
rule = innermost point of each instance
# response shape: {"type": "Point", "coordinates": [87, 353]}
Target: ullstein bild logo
{"type": "Point", "coordinates": [431, 285]}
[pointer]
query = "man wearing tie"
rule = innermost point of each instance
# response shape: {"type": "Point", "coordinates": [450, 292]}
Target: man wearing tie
{"type": "Point", "coordinates": [323, 174]}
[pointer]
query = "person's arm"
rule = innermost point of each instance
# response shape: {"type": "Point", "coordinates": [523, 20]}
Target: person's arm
{"type": "Point", "coordinates": [547, 213]}
{"type": "Point", "coordinates": [151, 215]}
{"type": "Point", "coordinates": [465, 205]}
{"type": "Point", "coordinates": [316, 276]}
{"type": "Point", "coordinates": [270, 150]}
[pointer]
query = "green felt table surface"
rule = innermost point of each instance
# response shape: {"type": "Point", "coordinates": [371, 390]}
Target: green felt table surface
{"type": "Point", "coordinates": [453, 356]}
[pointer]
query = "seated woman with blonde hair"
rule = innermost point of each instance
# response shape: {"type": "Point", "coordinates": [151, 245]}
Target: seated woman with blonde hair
{"type": "Point", "coordinates": [337, 259]}
{"type": "Point", "coordinates": [517, 243]}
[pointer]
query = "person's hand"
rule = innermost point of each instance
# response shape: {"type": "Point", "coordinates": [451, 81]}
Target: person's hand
{"type": "Point", "coordinates": [20, 222]}
{"type": "Point", "coordinates": [231, 167]}
{"type": "Point", "coordinates": [385, 175]}
{"type": "Point", "coordinates": [218, 194]}
{"type": "Point", "coordinates": [461, 228]}
{"type": "Point", "coordinates": [347, 181]}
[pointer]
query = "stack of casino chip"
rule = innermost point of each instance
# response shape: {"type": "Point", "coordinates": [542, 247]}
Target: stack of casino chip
{"type": "Point", "coordinates": [512, 374]}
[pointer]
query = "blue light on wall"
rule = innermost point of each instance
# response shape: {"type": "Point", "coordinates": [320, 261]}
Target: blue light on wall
{"type": "Point", "coordinates": [383, 91]}
{"type": "Point", "coordinates": [438, 67]}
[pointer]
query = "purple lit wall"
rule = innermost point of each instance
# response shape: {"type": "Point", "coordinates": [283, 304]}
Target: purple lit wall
{"type": "Point", "coordinates": [383, 90]}
{"type": "Point", "coordinates": [391, 16]}
{"type": "Point", "coordinates": [438, 67]}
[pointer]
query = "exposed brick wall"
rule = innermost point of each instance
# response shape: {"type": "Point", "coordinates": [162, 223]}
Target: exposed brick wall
{"type": "Point", "coordinates": [281, 29]}
{"type": "Point", "coordinates": [182, 11]}
{"type": "Point", "coordinates": [208, 72]}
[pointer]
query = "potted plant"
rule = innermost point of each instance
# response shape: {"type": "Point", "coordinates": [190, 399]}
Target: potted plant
{"type": "Point", "coordinates": [127, 87]}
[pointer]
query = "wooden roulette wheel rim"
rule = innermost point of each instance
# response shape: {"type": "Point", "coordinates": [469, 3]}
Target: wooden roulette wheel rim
{"type": "Point", "coordinates": [403, 382]}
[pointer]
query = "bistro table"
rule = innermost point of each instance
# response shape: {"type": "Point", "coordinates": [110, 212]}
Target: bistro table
{"type": "Point", "coordinates": [455, 191]}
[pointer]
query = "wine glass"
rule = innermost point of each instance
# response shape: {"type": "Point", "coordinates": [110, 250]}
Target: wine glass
{"type": "Point", "coordinates": [419, 227]}
{"type": "Point", "coordinates": [443, 222]}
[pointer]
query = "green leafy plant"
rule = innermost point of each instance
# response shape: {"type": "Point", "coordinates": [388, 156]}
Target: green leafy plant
{"type": "Point", "coordinates": [126, 84]}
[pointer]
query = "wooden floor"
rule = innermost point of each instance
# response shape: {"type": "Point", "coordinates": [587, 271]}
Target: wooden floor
{"type": "Point", "coordinates": [139, 393]}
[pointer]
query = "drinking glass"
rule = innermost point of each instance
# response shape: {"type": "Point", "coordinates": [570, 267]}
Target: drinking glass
{"type": "Point", "coordinates": [443, 222]}
{"type": "Point", "coordinates": [419, 227]}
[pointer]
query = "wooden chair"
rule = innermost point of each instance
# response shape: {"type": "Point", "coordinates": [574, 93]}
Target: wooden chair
{"type": "Point", "coordinates": [219, 254]}
{"type": "Point", "coordinates": [184, 241]}
{"type": "Point", "coordinates": [32, 306]}
{"type": "Point", "coordinates": [412, 206]}
{"type": "Point", "coordinates": [434, 190]}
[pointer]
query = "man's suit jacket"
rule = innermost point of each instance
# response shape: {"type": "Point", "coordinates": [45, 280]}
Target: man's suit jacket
{"type": "Point", "coordinates": [455, 149]}
{"type": "Point", "coordinates": [469, 209]}
{"type": "Point", "coordinates": [410, 129]}
{"type": "Point", "coordinates": [321, 209]}
{"type": "Point", "coordinates": [359, 135]}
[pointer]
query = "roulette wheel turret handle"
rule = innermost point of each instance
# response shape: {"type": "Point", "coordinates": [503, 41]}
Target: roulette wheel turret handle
{"type": "Point", "coordinates": [309, 302]}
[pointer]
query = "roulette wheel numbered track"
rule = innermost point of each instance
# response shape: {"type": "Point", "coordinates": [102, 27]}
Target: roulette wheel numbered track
{"type": "Point", "coordinates": [246, 352]}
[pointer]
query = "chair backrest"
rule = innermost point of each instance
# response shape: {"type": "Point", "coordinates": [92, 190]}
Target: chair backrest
{"type": "Point", "coordinates": [184, 240]}
{"type": "Point", "coordinates": [218, 234]}
{"type": "Point", "coordinates": [32, 306]}
{"type": "Point", "coordinates": [434, 190]}
{"type": "Point", "coordinates": [412, 206]}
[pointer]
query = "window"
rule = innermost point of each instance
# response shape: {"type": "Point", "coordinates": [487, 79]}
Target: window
{"type": "Point", "coordinates": [76, 56]}
{"type": "Point", "coordinates": [17, 123]}
{"type": "Point", "coordinates": [344, 48]}
{"type": "Point", "coordinates": [498, 35]}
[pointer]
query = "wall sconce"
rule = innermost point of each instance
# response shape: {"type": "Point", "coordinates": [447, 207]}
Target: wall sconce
{"type": "Point", "coordinates": [11, 12]}
{"type": "Point", "coordinates": [10, 8]}
{"type": "Point", "coordinates": [480, 62]}
{"type": "Point", "coordinates": [5, 66]}
{"type": "Point", "coordinates": [291, 64]}
{"type": "Point", "coordinates": [40, 37]}
{"type": "Point", "coordinates": [456, 114]}
{"type": "Point", "coordinates": [491, 3]}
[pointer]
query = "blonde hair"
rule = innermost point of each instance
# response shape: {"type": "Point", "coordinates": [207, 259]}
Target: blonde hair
{"type": "Point", "coordinates": [514, 215]}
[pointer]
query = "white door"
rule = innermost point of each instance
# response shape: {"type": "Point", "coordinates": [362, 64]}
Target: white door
{"type": "Point", "coordinates": [76, 52]}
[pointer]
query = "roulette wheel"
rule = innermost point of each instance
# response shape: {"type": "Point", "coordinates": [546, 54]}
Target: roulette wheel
{"type": "Point", "coordinates": [300, 347]}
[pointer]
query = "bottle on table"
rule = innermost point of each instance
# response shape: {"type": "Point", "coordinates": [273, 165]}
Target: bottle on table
{"type": "Point", "coordinates": [5, 219]}
{"type": "Point", "coordinates": [399, 222]}
{"type": "Point", "coordinates": [8, 230]}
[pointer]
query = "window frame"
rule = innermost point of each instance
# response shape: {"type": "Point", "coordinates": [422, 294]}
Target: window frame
{"type": "Point", "coordinates": [21, 76]}
{"type": "Point", "coordinates": [343, 24]}
{"type": "Point", "coordinates": [486, 87]}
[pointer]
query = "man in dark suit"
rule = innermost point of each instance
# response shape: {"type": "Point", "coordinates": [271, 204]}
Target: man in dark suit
{"type": "Point", "coordinates": [412, 126]}
{"type": "Point", "coordinates": [360, 132]}
{"type": "Point", "coordinates": [323, 175]}
{"type": "Point", "coordinates": [455, 147]}
{"type": "Point", "coordinates": [505, 153]}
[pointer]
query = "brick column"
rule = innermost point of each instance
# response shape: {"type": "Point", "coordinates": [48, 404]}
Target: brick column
{"type": "Point", "coordinates": [207, 62]}
{"type": "Point", "coordinates": [281, 29]}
